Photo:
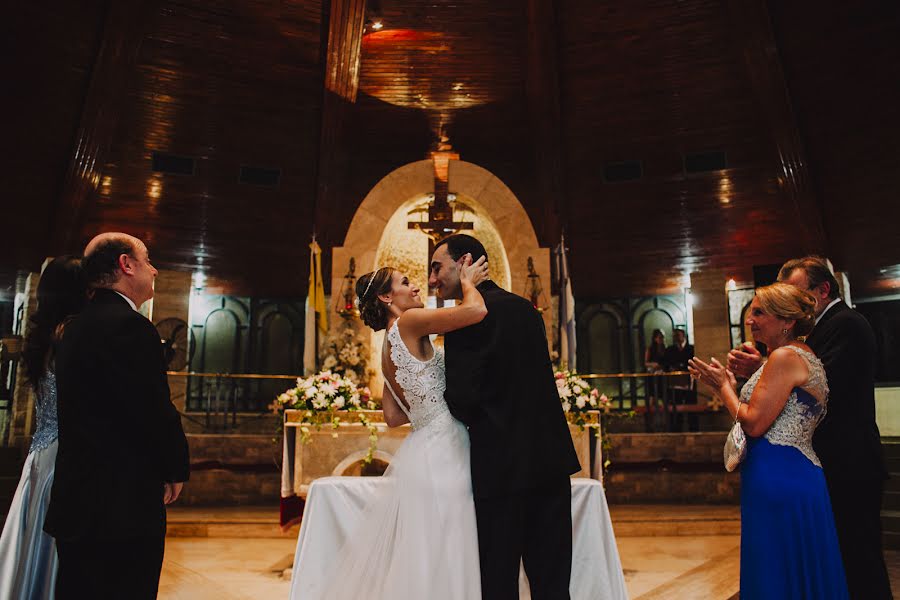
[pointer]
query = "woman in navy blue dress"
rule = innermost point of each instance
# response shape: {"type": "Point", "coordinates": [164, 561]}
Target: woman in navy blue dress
{"type": "Point", "coordinates": [789, 545]}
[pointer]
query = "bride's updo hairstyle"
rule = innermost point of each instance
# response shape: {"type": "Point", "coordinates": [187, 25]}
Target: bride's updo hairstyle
{"type": "Point", "coordinates": [789, 302]}
{"type": "Point", "coordinates": [373, 311]}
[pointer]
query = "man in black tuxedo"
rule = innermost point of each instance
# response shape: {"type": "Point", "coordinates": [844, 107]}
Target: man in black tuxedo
{"type": "Point", "coordinates": [122, 452]}
{"type": "Point", "coordinates": [847, 440]}
{"type": "Point", "coordinates": [500, 384]}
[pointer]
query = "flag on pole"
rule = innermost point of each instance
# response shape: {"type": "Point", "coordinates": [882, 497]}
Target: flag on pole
{"type": "Point", "coordinates": [316, 311]}
{"type": "Point", "coordinates": [566, 309]}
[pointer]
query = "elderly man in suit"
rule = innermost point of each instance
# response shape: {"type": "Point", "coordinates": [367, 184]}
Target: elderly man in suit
{"type": "Point", "coordinates": [122, 452]}
{"type": "Point", "coordinates": [847, 441]}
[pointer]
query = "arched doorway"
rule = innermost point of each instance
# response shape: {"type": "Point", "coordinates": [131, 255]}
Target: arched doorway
{"type": "Point", "coordinates": [378, 230]}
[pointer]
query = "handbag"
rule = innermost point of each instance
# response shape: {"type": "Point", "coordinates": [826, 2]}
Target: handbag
{"type": "Point", "coordinates": [735, 447]}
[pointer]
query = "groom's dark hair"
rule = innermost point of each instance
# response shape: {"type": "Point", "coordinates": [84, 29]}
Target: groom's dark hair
{"type": "Point", "coordinates": [459, 245]}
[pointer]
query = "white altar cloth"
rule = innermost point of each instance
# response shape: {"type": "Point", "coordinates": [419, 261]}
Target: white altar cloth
{"type": "Point", "coordinates": [335, 505]}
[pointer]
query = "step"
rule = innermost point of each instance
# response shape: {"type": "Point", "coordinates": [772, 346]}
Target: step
{"type": "Point", "coordinates": [633, 520]}
{"type": "Point", "coordinates": [890, 500]}
{"type": "Point", "coordinates": [647, 520]}
{"type": "Point", "coordinates": [891, 540]}
{"type": "Point", "coordinates": [225, 522]}
{"type": "Point", "coordinates": [890, 521]}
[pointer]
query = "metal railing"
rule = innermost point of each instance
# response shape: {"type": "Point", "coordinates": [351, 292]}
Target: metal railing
{"type": "Point", "coordinates": [225, 396]}
{"type": "Point", "coordinates": [218, 401]}
{"type": "Point", "coordinates": [661, 397]}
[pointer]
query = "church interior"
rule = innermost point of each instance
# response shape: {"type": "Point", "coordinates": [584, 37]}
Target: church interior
{"type": "Point", "coordinates": [629, 167]}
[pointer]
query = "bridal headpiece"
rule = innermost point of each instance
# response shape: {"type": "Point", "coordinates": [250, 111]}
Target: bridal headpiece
{"type": "Point", "coordinates": [368, 285]}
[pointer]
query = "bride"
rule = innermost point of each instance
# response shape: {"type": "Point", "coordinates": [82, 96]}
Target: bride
{"type": "Point", "coordinates": [417, 538]}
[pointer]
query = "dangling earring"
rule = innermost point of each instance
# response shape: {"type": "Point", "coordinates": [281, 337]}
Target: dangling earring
{"type": "Point", "coordinates": [784, 331]}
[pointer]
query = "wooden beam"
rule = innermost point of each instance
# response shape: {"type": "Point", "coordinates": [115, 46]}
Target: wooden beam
{"type": "Point", "coordinates": [753, 26]}
{"type": "Point", "coordinates": [542, 89]}
{"type": "Point", "coordinates": [112, 70]}
{"type": "Point", "coordinates": [345, 33]}
{"type": "Point", "coordinates": [346, 21]}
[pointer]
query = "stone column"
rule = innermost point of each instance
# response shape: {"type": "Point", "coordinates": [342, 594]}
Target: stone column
{"type": "Point", "coordinates": [171, 298]}
{"type": "Point", "coordinates": [710, 309]}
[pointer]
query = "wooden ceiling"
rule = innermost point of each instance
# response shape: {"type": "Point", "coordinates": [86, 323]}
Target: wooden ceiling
{"type": "Point", "coordinates": [800, 96]}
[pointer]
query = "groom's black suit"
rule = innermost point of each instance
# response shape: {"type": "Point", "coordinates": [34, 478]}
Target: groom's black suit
{"type": "Point", "coordinates": [120, 440]}
{"type": "Point", "coordinates": [849, 445]}
{"type": "Point", "coordinates": [500, 383]}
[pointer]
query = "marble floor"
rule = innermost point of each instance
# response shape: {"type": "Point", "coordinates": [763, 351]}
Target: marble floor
{"type": "Point", "coordinates": [240, 554]}
{"type": "Point", "coordinates": [245, 568]}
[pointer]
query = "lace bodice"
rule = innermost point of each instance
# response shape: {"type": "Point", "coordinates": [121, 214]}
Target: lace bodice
{"type": "Point", "coordinates": [802, 413]}
{"type": "Point", "coordinates": [45, 408]}
{"type": "Point", "coordinates": [422, 382]}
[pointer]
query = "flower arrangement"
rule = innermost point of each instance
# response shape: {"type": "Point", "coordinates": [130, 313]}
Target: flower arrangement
{"type": "Point", "coordinates": [346, 353]}
{"type": "Point", "coordinates": [578, 397]}
{"type": "Point", "coordinates": [323, 396]}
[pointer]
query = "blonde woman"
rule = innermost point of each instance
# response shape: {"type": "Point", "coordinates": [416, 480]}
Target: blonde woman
{"type": "Point", "coordinates": [789, 545]}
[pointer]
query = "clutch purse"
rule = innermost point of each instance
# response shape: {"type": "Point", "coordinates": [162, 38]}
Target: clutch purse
{"type": "Point", "coordinates": [735, 447]}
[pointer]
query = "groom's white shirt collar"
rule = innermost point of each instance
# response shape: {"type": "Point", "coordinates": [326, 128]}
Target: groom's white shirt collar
{"type": "Point", "coordinates": [830, 304]}
{"type": "Point", "coordinates": [131, 304]}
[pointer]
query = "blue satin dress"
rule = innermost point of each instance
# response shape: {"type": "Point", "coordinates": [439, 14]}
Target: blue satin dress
{"type": "Point", "coordinates": [789, 544]}
{"type": "Point", "coordinates": [28, 562]}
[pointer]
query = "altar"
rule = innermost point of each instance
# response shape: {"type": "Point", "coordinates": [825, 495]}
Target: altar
{"type": "Point", "coordinates": [343, 450]}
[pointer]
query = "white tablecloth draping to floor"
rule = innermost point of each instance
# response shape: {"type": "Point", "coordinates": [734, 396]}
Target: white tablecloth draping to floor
{"type": "Point", "coordinates": [335, 504]}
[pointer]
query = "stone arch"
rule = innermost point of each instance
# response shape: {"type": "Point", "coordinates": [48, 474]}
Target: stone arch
{"type": "Point", "coordinates": [401, 185]}
{"type": "Point", "coordinates": [404, 184]}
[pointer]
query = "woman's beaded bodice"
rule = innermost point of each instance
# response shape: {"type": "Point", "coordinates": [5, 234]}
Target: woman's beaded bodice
{"type": "Point", "coordinates": [47, 429]}
{"type": "Point", "coordinates": [422, 382]}
{"type": "Point", "coordinates": [802, 413]}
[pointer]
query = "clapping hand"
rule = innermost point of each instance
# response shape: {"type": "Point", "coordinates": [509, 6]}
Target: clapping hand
{"type": "Point", "coordinates": [713, 374]}
{"type": "Point", "coordinates": [475, 272]}
{"type": "Point", "coordinates": [744, 361]}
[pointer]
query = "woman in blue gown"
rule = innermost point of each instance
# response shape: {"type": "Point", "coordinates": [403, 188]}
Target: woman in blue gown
{"type": "Point", "coordinates": [789, 545]}
{"type": "Point", "coordinates": [27, 554]}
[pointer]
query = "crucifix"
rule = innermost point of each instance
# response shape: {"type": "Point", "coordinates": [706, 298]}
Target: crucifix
{"type": "Point", "coordinates": [440, 223]}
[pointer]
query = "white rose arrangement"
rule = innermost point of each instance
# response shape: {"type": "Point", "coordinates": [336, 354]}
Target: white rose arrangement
{"type": "Point", "coordinates": [578, 397]}
{"type": "Point", "coordinates": [322, 396]}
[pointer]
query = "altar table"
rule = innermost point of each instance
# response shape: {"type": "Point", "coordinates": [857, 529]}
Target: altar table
{"type": "Point", "coordinates": [334, 506]}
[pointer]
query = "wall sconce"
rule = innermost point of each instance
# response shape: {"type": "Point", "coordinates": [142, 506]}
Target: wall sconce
{"type": "Point", "coordinates": [346, 299]}
{"type": "Point", "coordinates": [534, 291]}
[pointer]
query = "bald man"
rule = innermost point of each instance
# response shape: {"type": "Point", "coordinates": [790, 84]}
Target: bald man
{"type": "Point", "coordinates": [122, 452]}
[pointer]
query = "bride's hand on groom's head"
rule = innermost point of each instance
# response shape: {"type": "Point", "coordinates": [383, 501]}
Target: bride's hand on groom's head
{"type": "Point", "coordinates": [475, 272]}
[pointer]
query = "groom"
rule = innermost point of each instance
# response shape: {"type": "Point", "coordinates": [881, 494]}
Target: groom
{"type": "Point", "coordinates": [500, 384]}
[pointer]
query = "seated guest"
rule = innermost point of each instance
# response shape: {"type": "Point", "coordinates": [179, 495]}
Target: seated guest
{"type": "Point", "coordinates": [789, 542]}
{"type": "Point", "coordinates": [27, 554]}
{"type": "Point", "coordinates": [122, 452]}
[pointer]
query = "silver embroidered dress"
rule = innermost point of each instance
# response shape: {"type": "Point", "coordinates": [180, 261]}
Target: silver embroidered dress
{"type": "Point", "coordinates": [803, 411]}
{"type": "Point", "coordinates": [28, 555]}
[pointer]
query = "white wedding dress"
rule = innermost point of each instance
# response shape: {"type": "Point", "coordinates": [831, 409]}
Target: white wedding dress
{"type": "Point", "coordinates": [417, 539]}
